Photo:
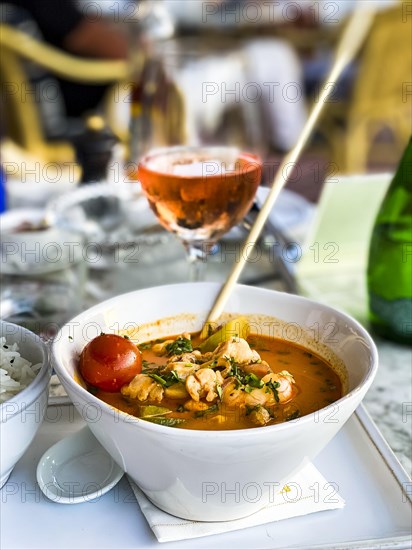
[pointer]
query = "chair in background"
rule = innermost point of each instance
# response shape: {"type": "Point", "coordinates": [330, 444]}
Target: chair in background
{"type": "Point", "coordinates": [21, 110]}
{"type": "Point", "coordinates": [379, 99]}
{"type": "Point", "coordinates": [23, 117]}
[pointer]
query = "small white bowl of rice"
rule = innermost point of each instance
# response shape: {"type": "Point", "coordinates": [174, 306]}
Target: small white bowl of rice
{"type": "Point", "coordinates": [24, 375]}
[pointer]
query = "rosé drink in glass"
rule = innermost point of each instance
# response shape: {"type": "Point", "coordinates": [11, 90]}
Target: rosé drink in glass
{"type": "Point", "coordinates": [199, 193]}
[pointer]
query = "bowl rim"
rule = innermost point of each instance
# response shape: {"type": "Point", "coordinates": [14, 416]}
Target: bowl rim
{"type": "Point", "coordinates": [227, 434]}
{"type": "Point", "coordinates": [31, 392]}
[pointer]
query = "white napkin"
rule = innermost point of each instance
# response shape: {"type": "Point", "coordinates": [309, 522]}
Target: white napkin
{"type": "Point", "coordinates": [309, 492]}
{"type": "Point", "coordinates": [332, 269]}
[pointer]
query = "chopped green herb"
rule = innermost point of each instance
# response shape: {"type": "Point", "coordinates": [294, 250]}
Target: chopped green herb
{"type": "Point", "coordinates": [219, 391]}
{"type": "Point", "coordinates": [165, 421]}
{"type": "Point", "coordinates": [166, 380]}
{"type": "Point", "coordinates": [253, 381]}
{"type": "Point", "coordinates": [274, 387]}
{"type": "Point", "coordinates": [292, 416]}
{"type": "Point", "coordinates": [179, 346]}
{"type": "Point", "coordinates": [180, 408]}
{"type": "Point", "coordinates": [174, 377]}
{"type": "Point", "coordinates": [145, 364]}
{"type": "Point", "coordinates": [250, 408]}
{"type": "Point", "coordinates": [70, 338]}
{"type": "Point", "coordinates": [212, 409]}
{"type": "Point", "coordinates": [145, 345]}
{"type": "Point", "coordinates": [126, 337]}
{"type": "Point", "coordinates": [159, 379]}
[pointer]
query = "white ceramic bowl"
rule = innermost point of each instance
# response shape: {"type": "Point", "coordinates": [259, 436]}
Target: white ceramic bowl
{"type": "Point", "coordinates": [22, 415]}
{"type": "Point", "coordinates": [221, 475]}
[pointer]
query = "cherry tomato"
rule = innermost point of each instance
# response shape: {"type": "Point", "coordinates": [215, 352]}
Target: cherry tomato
{"type": "Point", "coordinates": [109, 361]}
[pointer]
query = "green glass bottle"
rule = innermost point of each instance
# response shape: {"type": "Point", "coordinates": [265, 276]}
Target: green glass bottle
{"type": "Point", "coordinates": [389, 274]}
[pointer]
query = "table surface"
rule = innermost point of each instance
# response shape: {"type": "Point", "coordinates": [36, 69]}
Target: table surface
{"type": "Point", "coordinates": [389, 401]}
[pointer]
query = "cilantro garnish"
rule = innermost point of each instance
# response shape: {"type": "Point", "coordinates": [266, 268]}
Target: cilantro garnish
{"type": "Point", "coordinates": [293, 415]}
{"type": "Point", "coordinates": [250, 408]}
{"type": "Point", "coordinates": [250, 381]}
{"type": "Point", "coordinates": [253, 381]}
{"type": "Point", "coordinates": [145, 345]}
{"type": "Point", "coordinates": [213, 408]}
{"type": "Point", "coordinates": [147, 366]}
{"type": "Point", "coordinates": [166, 380]}
{"type": "Point", "coordinates": [274, 387]}
{"type": "Point", "coordinates": [179, 346]}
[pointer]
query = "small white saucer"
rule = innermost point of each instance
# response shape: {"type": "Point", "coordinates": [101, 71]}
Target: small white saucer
{"type": "Point", "coordinates": [77, 469]}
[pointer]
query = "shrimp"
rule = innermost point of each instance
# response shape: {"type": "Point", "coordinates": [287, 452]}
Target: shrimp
{"type": "Point", "coordinates": [286, 389]}
{"type": "Point", "coordinates": [234, 394]}
{"type": "Point", "coordinates": [204, 383]}
{"type": "Point", "coordinates": [236, 350]}
{"type": "Point", "coordinates": [143, 387]}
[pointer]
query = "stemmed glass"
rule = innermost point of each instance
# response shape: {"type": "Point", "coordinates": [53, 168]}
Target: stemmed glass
{"type": "Point", "coordinates": [199, 193]}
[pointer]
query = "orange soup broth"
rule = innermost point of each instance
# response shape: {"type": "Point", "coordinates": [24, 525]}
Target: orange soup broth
{"type": "Point", "coordinates": [317, 386]}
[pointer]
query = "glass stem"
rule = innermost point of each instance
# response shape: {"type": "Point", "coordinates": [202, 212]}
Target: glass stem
{"type": "Point", "coordinates": [196, 257]}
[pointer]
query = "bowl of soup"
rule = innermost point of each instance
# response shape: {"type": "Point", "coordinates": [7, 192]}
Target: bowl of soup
{"type": "Point", "coordinates": [208, 428]}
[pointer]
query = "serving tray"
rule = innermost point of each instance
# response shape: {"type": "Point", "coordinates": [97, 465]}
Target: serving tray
{"type": "Point", "coordinates": [378, 511]}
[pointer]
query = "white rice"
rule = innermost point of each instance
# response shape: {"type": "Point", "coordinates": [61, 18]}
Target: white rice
{"type": "Point", "coordinates": [16, 373]}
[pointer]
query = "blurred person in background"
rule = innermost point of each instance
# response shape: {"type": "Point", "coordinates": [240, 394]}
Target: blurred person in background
{"type": "Point", "coordinates": [64, 25]}
{"type": "Point", "coordinates": [265, 71]}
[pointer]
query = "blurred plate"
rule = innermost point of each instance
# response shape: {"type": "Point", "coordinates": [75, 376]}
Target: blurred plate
{"type": "Point", "coordinates": [292, 214]}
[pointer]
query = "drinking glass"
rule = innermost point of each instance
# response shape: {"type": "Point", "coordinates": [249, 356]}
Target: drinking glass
{"type": "Point", "coordinates": [199, 193]}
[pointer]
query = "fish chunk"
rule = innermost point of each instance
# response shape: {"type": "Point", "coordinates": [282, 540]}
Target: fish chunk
{"type": "Point", "coordinates": [259, 416]}
{"type": "Point", "coordinates": [143, 387]}
{"type": "Point", "coordinates": [203, 384]}
{"type": "Point", "coordinates": [238, 350]}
